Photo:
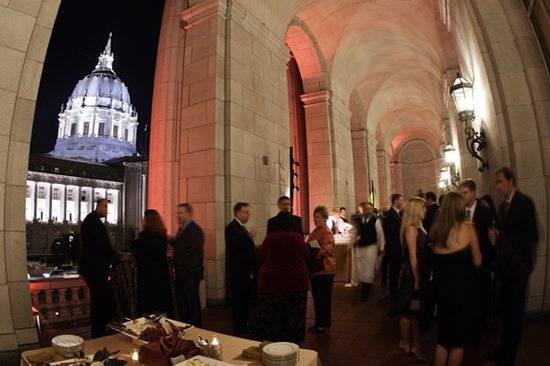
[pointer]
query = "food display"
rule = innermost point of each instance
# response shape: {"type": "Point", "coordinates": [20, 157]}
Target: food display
{"type": "Point", "coordinates": [150, 329]}
{"type": "Point", "coordinates": [67, 345]}
{"type": "Point", "coordinates": [203, 361]}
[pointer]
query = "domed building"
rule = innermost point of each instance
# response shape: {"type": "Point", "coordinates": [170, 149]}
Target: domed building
{"type": "Point", "coordinates": [94, 157]}
{"type": "Point", "coordinates": [99, 122]}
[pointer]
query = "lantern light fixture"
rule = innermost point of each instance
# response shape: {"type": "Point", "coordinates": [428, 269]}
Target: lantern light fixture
{"type": "Point", "coordinates": [462, 92]}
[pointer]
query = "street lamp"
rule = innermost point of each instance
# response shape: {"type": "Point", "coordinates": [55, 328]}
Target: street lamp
{"type": "Point", "coordinates": [462, 92]}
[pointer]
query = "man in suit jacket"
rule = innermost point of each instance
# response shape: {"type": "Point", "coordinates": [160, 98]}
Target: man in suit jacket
{"type": "Point", "coordinates": [188, 265]}
{"type": "Point", "coordinates": [284, 209]}
{"type": "Point", "coordinates": [240, 265]}
{"type": "Point", "coordinates": [432, 208]}
{"type": "Point", "coordinates": [483, 220]}
{"type": "Point", "coordinates": [394, 250]}
{"type": "Point", "coordinates": [95, 260]}
{"type": "Point", "coordinates": [514, 260]}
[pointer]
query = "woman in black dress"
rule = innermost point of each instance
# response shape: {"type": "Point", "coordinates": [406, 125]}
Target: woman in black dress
{"type": "Point", "coordinates": [153, 277]}
{"type": "Point", "coordinates": [456, 256]}
{"type": "Point", "coordinates": [412, 280]}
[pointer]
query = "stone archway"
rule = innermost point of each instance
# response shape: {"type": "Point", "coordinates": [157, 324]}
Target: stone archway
{"type": "Point", "coordinates": [414, 168]}
{"type": "Point", "coordinates": [25, 30]}
{"type": "Point", "coordinates": [220, 108]}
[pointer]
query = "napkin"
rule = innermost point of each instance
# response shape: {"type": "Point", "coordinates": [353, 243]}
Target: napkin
{"type": "Point", "coordinates": [160, 352]}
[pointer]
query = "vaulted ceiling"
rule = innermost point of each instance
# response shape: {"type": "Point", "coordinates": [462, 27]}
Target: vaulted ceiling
{"type": "Point", "coordinates": [392, 55]}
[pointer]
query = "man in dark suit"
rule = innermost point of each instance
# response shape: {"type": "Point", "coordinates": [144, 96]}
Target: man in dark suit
{"type": "Point", "coordinates": [514, 261]}
{"type": "Point", "coordinates": [240, 265]}
{"type": "Point", "coordinates": [432, 208]}
{"type": "Point", "coordinates": [483, 220]}
{"type": "Point", "coordinates": [95, 260]}
{"type": "Point", "coordinates": [188, 265]}
{"type": "Point", "coordinates": [284, 209]}
{"type": "Point", "coordinates": [393, 249]}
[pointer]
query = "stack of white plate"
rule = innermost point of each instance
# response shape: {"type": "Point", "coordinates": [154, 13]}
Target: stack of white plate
{"type": "Point", "coordinates": [280, 354]}
{"type": "Point", "coordinates": [68, 345]}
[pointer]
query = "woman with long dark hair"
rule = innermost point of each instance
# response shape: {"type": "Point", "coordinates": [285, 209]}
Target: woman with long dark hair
{"type": "Point", "coordinates": [153, 279]}
{"type": "Point", "coordinates": [456, 256]}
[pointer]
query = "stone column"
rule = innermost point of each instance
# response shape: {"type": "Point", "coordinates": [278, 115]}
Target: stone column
{"type": "Point", "coordinates": [373, 167]}
{"type": "Point", "coordinates": [360, 164]}
{"type": "Point", "coordinates": [384, 184]}
{"type": "Point", "coordinates": [200, 143]}
{"type": "Point", "coordinates": [343, 153]}
{"type": "Point", "coordinates": [320, 149]}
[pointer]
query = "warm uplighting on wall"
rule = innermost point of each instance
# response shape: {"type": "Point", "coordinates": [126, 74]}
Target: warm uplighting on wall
{"type": "Point", "coordinates": [451, 155]}
{"type": "Point", "coordinates": [462, 92]}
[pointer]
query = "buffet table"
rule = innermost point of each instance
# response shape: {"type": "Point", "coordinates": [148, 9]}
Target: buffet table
{"type": "Point", "coordinates": [232, 348]}
{"type": "Point", "coordinates": [343, 258]}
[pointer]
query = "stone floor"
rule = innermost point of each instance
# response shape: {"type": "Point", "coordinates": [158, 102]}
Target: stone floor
{"type": "Point", "coordinates": [363, 335]}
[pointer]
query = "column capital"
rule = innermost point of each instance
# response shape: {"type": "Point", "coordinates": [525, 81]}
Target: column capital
{"type": "Point", "coordinates": [319, 97]}
{"type": "Point", "coordinates": [202, 12]}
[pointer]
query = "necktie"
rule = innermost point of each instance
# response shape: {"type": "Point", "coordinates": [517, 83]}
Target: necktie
{"type": "Point", "coordinates": [506, 207]}
{"type": "Point", "coordinates": [468, 215]}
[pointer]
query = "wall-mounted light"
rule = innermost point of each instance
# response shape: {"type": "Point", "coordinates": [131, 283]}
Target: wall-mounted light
{"type": "Point", "coordinates": [451, 163]}
{"type": "Point", "coordinates": [462, 92]}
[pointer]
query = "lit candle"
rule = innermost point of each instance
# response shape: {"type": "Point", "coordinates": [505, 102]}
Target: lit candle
{"type": "Point", "coordinates": [215, 342]}
{"type": "Point", "coordinates": [135, 355]}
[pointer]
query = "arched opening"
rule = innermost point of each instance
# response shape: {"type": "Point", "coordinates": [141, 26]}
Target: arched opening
{"type": "Point", "coordinates": [298, 142]}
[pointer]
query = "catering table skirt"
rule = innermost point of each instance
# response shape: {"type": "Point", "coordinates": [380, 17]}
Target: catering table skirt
{"type": "Point", "coordinates": [232, 348]}
{"type": "Point", "coordinates": [343, 261]}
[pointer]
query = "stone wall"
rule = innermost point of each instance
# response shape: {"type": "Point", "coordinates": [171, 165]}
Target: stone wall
{"type": "Point", "coordinates": [498, 50]}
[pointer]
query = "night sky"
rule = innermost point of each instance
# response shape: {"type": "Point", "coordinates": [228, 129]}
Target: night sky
{"type": "Point", "coordinates": [79, 36]}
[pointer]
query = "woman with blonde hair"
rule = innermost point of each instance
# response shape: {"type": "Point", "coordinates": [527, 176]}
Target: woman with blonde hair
{"type": "Point", "coordinates": [415, 244]}
{"type": "Point", "coordinates": [456, 256]}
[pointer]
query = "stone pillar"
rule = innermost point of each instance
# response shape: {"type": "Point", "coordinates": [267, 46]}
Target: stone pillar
{"type": "Point", "coordinates": [373, 168]}
{"type": "Point", "coordinates": [320, 149]}
{"type": "Point", "coordinates": [200, 149]}
{"type": "Point", "coordinates": [343, 153]}
{"type": "Point", "coordinates": [384, 183]}
{"type": "Point", "coordinates": [360, 165]}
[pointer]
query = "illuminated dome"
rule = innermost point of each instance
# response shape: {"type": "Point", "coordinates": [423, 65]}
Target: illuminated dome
{"type": "Point", "coordinates": [99, 122]}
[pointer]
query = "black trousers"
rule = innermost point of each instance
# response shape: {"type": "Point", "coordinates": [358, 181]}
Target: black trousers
{"type": "Point", "coordinates": [394, 271]}
{"type": "Point", "coordinates": [321, 290]}
{"type": "Point", "coordinates": [384, 267]}
{"type": "Point", "coordinates": [242, 289]}
{"type": "Point", "coordinates": [188, 300]}
{"type": "Point", "coordinates": [513, 312]}
{"type": "Point", "coordinates": [485, 290]}
{"type": "Point", "coordinates": [102, 308]}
